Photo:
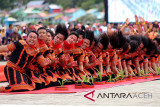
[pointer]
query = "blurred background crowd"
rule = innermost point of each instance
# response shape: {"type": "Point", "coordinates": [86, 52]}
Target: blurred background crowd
{"type": "Point", "coordinates": [18, 17]}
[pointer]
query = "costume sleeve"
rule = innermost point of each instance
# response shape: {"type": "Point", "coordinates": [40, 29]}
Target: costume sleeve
{"type": "Point", "coordinates": [81, 58]}
{"type": "Point", "coordinates": [39, 58]}
{"type": "Point", "coordinates": [86, 59]}
{"type": "Point", "coordinates": [60, 53]}
{"type": "Point", "coordinates": [107, 57]}
{"type": "Point", "coordinates": [152, 59]}
{"type": "Point", "coordinates": [51, 57]}
{"type": "Point", "coordinates": [61, 56]}
{"type": "Point", "coordinates": [100, 58]}
{"type": "Point", "coordinates": [14, 45]}
{"type": "Point", "coordinates": [46, 52]}
{"type": "Point", "coordinates": [71, 59]}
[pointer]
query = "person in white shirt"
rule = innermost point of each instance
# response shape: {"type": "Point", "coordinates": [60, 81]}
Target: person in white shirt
{"type": "Point", "coordinates": [51, 27]}
{"type": "Point", "coordinates": [104, 27]}
{"type": "Point", "coordinates": [24, 34]}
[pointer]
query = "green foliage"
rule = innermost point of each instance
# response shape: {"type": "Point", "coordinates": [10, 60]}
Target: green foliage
{"type": "Point", "coordinates": [6, 4]}
{"type": "Point", "coordinates": [110, 78]}
{"type": "Point", "coordinates": [19, 16]}
{"type": "Point", "coordinates": [25, 1]}
{"type": "Point", "coordinates": [141, 73]}
{"type": "Point", "coordinates": [78, 81]}
{"type": "Point", "coordinates": [158, 70]}
{"type": "Point", "coordinates": [46, 22]}
{"type": "Point", "coordinates": [92, 79]}
{"type": "Point", "coordinates": [35, 22]}
{"type": "Point", "coordinates": [84, 4]}
{"type": "Point", "coordinates": [88, 4]}
{"type": "Point", "coordinates": [117, 76]}
{"type": "Point", "coordinates": [66, 4]}
{"type": "Point", "coordinates": [85, 79]}
{"type": "Point", "coordinates": [101, 7]}
{"type": "Point", "coordinates": [2, 20]}
{"type": "Point", "coordinates": [10, 4]}
{"type": "Point", "coordinates": [99, 75]}
{"type": "Point", "coordinates": [131, 73]}
{"type": "Point", "coordinates": [122, 73]}
{"type": "Point", "coordinates": [88, 18]}
{"type": "Point", "coordinates": [63, 82]}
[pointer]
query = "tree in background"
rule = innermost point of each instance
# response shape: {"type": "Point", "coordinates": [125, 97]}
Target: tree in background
{"type": "Point", "coordinates": [10, 4]}
{"type": "Point", "coordinates": [84, 4]}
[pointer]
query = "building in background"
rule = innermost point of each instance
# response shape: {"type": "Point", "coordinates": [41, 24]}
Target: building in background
{"type": "Point", "coordinates": [53, 8]}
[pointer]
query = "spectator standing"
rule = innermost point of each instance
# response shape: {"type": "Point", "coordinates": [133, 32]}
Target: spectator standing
{"type": "Point", "coordinates": [154, 33]}
{"type": "Point", "coordinates": [86, 27]}
{"type": "Point", "coordinates": [3, 32]}
{"type": "Point", "coordinates": [29, 28]}
{"type": "Point", "coordinates": [104, 26]}
{"type": "Point", "coordinates": [15, 36]}
{"type": "Point", "coordinates": [69, 28]}
{"type": "Point", "coordinates": [40, 23]}
{"type": "Point", "coordinates": [51, 27]}
{"type": "Point", "coordinates": [24, 35]}
{"type": "Point", "coordinates": [75, 27]}
{"type": "Point", "coordinates": [96, 32]}
{"type": "Point", "coordinates": [8, 32]}
{"type": "Point", "coordinates": [19, 29]}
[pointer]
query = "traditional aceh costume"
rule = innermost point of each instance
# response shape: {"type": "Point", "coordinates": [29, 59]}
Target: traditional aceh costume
{"type": "Point", "coordinates": [78, 55]}
{"type": "Point", "coordinates": [22, 55]}
{"type": "Point", "coordinates": [63, 70]}
{"type": "Point", "coordinates": [56, 51]}
{"type": "Point", "coordinates": [35, 71]}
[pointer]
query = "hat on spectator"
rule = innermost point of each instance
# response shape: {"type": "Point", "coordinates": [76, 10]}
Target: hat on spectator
{"type": "Point", "coordinates": [86, 26]}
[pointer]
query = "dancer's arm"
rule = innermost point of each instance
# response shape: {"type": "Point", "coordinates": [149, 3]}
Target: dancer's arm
{"type": "Point", "coordinates": [40, 59]}
{"type": "Point", "coordinates": [4, 48]}
{"type": "Point", "coordinates": [136, 62]}
{"type": "Point", "coordinates": [125, 25]}
{"type": "Point", "coordinates": [138, 25]}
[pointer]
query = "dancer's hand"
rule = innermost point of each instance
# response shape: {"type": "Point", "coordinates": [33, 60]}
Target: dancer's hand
{"type": "Point", "coordinates": [46, 62]}
{"type": "Point", "coordinates": [74, 63]}
{"type": "Point", "coordinates": [97, 62]}
{"type": "Point", "coordinates": [56, 60]}
{"type": "Point", "coordinates": [141, 19]}
{"type": "Point", "coordinates": [150, 26]}
{"type": "Point", "coordinates": [67, 57]}
{"type": "Point", "coordinates": [136, 18]}
{"type": "Point", "coordinates": [127, 21]}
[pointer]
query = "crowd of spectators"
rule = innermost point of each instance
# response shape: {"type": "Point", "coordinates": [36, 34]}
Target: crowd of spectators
{"type": "Point", "coordinates": [18, 32]}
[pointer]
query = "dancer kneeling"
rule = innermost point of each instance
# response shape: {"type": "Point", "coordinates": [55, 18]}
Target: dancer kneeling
{"type": "Point", "coordinates": [23, 53]}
